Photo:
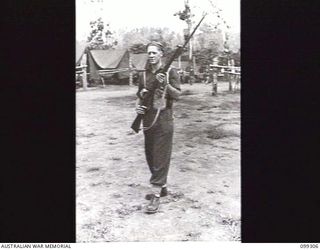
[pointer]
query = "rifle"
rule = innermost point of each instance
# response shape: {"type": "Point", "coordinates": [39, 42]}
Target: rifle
{"type": "Point", "coordinates": [147, 98]}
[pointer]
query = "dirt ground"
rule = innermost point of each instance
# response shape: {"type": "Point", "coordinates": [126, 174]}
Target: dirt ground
{"type": "Point", "coordinates": [112, 176]}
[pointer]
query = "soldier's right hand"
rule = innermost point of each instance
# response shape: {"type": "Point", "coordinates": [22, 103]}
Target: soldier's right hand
{"type": "Point", "coordinates": [141, 110]}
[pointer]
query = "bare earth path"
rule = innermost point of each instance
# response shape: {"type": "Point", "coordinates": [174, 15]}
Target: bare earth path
{"type": "Point", "coordinates": [112, 175]}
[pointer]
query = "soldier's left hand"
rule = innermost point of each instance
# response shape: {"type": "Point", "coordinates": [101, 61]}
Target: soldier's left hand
{"type": "Point", "coordinates": [161, 78]}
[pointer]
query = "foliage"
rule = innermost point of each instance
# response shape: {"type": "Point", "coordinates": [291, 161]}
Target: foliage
{"type": "Point", "coordinates": [207, 44]}
{"type": "Point", "coordinates": [204, 57]}
{"type": "Point", "coordinates": [137, 39]}
{"type": "Point", "coordinates": [185, 15]}
{"type": "Point", "coordinates": [100, 36]}
{"type": "Point", "coordinates": [209, 37]}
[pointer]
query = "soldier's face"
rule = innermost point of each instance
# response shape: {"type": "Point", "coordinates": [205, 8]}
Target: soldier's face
{"type": "Point", "coordinates": [154, 54]}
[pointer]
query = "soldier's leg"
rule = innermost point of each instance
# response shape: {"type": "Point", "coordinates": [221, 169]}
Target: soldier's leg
{"type": "Point", "coordinates": [162, 149]}
{"type": "Point", "coordinates": [161, 155]}
{"type": "Point", "coordinates": [148, 146]}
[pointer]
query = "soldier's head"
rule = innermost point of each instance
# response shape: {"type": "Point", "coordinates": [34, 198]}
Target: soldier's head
{"type": "Point", "coordinates": [155, 52]}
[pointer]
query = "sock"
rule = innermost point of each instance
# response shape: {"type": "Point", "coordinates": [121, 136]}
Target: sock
{"type": "Point", "coordinates": [156, 190]}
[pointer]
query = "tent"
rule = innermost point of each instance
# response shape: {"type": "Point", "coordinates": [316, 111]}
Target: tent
{"type": "Point", "coordinates": [80, 50]}
{"type": "Point", "coordinates": [139, 61]}
{"type": "Point", "coordinates": [110, 62]}
{"type": "Point", "coordinates": [184, 65]}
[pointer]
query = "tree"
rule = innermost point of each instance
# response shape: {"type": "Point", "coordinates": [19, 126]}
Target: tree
{"type": "Point", "coordinates": [185, 15]}
{"type": "Point", "coordinates": [164, 36]}
{"type": "Point", "coordinates": [234, 41]}
{"type": "Point", "coordinates": [100, 36]}
{"type": "Point", "coordinates": [138, 38]}
{"type": "Point", "coordinates": [138, 48]}
{"type": "Point", "coordinates": [208, 43]}
{"type": "Point", "coordinates": [131, 37]}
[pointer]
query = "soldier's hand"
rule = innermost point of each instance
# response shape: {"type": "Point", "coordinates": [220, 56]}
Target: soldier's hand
{"type": "Point", "coordinates": [141, 110]}
{"type": "Point", "coordinates": [161, 78]}
{"type": "Point", "coordinates": [143, 92]}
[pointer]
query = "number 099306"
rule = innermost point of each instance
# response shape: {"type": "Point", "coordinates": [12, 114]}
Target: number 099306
{"type": "Point", "coordinates": [314, 246]}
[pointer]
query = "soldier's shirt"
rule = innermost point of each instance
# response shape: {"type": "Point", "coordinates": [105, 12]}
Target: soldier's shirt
{"type": "Point", "coordinates": [150, 79]}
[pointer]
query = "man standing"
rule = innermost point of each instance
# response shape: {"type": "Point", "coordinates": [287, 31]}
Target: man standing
{"type": "Point", "coordinates": [158, 121]}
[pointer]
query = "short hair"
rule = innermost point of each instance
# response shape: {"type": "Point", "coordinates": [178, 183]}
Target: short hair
{"type": "Point", "coordinates": [157, 44]}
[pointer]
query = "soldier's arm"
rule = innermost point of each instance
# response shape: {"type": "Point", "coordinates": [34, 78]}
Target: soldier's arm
{"type": "Point", "coordinates": [173, 89]}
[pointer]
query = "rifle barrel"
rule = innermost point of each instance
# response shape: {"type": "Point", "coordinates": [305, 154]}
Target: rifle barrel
{"type": "Point", "coordinates": [194, 30]}
{"type": "Point", "coordinates": [180, 48]}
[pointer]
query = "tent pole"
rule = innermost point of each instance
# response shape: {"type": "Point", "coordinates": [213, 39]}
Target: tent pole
{"type": "Point", "coordinates": [84, 77]}
{"type": "Point", "coordinates": [194, 64]}
{"type": "Point", "coordinates": [130, 69]}
{"type": "Point", "coordinates": [215, 77]}
{"type": "Point", "coordinates": [83, 66]}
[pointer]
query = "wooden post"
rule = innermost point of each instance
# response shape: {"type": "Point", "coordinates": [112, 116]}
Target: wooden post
{"type": "Point", "coordinates": [103, 83]}
{"type": "Point", "coordinates": [190, 42]}
{"type": "Point", "coordinates": [179, 62]}
{"type": "Point", "coordinates": [230, 75]}
{"type": "Point", "coordinates": [215, 82]}
{"type": "Point", "coordinates": [233, 76]}
{"type": "Point", "coordinates": [190, 50]}
{"type": "Point", "coordinates": [84, 77]}
{"type": "Point", "coordinates": [83, 65]}
{"type": "Point", "coordinates": [130, 70]}
{"type": "Point", "coordinates": [215, 77]}
{"type": "Point", "coordinates": [230, 82]}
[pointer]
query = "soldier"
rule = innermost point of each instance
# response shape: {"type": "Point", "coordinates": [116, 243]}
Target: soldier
{"type": "Point", "coordinates": [158, 122]}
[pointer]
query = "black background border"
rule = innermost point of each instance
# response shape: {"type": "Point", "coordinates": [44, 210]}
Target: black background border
{"type": "Point", "coordinates": [280, 121]}
{"type": "Point", "coordinates": [38, 122]}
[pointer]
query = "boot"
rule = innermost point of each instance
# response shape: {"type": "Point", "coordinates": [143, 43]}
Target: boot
{"type": "Point", "coordinates": [153, 206]}
{"type": "Point", "coordinates": [163, 193]}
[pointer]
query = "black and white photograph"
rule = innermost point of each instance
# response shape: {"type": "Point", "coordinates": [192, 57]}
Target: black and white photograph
{"type": "Point", "coordinates": [158, 120]}
{"type": "Point", "coordinates": [136, 123]}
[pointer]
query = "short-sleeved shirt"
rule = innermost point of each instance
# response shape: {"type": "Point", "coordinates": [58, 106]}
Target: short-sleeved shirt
{"type": "Point", "coordinates": [174, 81]}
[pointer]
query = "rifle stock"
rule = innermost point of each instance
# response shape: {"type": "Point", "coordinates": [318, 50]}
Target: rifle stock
{"type": "Point", "coordinates": [146, 101]}
{"type": "Point", "coordinates": [137, 123]}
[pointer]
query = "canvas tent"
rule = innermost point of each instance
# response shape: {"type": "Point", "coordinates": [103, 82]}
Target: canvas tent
{"type": "Point", "coordinates": [183, 64]}
{"type": "Point", "coordinates": [80, 50]}
{"type": "Point", "coordinates": [139, 61]}
{"type": "Point", "coordinates": [108, 63]}
{"type": "Point", "coordinates": [81, 64]}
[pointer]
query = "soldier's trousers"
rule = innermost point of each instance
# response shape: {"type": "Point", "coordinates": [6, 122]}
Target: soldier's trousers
{"type": "Point", "coordinates": [158, 145]}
